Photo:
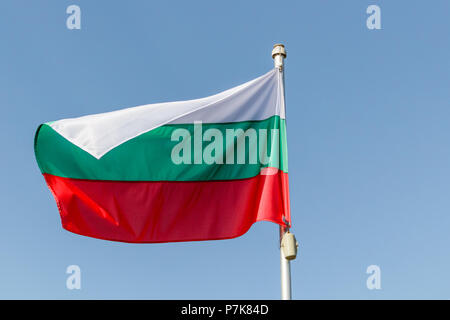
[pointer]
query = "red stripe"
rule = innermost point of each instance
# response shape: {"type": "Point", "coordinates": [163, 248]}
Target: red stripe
{"type": "Point", "coordinates": [169, 211]}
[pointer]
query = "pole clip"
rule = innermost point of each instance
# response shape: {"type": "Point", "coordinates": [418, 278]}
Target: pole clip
{"type": "Point", "coordinates": [289, 246]}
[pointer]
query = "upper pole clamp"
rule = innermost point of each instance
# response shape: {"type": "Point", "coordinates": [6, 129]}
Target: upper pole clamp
{"type": "Point", "coordinates": [278, 49]}
{"type": "Point", "coordinates": [278, 54]}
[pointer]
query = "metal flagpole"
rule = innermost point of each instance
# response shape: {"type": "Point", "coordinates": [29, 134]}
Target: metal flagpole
{"type": "Point", "coordinates": [288, 244]}
{"type": "Point", "coordinates": [285, 267]}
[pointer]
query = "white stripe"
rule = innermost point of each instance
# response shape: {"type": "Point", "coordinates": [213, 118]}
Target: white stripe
{"type": "Point", "coordinates": [98, 134]}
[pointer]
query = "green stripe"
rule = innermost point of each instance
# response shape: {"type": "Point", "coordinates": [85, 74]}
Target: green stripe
{"type": "Point", "coordinates": [148, 156]}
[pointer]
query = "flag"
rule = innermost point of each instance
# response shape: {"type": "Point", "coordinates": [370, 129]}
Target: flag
{"type": "Point", "coordinates": [201, 169]}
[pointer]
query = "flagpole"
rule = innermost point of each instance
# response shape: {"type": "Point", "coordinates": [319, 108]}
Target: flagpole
{"type": "Point", "coordinates": [288, 244]}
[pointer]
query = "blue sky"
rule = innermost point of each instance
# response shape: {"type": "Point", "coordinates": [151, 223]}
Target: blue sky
{"type": "Point", "coordinates": [368, 138]}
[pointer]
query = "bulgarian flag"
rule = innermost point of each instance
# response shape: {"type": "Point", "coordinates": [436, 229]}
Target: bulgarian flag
{"type": "Point", "coordinates": [201, 169]}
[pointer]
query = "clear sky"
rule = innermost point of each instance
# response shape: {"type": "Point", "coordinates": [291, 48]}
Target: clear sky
{"type": "Point", "coordinates": [368, 138]}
